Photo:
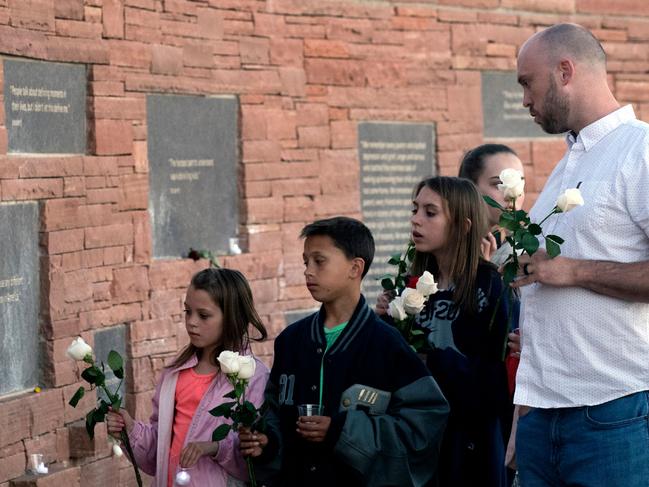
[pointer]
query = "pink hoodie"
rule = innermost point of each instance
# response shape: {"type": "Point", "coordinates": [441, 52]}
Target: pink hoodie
{"type": "Point", "coordinates": [151, 442]}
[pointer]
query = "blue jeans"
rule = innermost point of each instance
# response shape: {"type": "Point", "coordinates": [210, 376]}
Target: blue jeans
{"type": "Point", "coordinates": [593, 446]}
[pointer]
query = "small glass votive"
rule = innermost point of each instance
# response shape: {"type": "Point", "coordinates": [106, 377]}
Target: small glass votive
{"type": "Point", "coordinates": [36, 464]}
{"type": "Point", "coordinates": [183, 476]}
{"type": "Point", "coordinates": [310, 410]}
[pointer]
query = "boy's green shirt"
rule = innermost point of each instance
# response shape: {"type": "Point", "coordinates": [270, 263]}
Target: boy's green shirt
{"type": "Point", "coordinates": [331, 335]}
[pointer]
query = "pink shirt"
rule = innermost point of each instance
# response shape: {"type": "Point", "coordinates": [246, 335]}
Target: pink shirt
{"type": "Point", "coordinates": [190, 389]}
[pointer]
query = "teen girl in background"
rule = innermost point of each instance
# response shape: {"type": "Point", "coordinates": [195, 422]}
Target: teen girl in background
{"type": "Point", "coordinates": [465, 323]}
{"type": "Point", "coordinates": [483, 166]}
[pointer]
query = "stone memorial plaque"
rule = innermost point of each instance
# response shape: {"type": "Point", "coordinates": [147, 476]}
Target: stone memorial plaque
{"type": "Point", "coordinates": [193, 156]}
{"type": "Point", "coordinates": [502, 107]}
{"type": "Point", "coordinates": [113, 338]}
{"type": "Point", "coordinates": [19, 297]}
{"type": "Point", "coordinates": [394, 158]}
{"type": "Point", "coordinates": [45, 107]}
{"type": "Point", "coordinates": [297, 314]}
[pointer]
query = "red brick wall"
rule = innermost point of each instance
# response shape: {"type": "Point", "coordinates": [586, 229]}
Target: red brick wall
{"type": "Point", "coordinates": [306, 72]}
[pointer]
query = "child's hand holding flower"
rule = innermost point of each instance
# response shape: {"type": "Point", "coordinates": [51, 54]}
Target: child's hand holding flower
{"type": "Point", "coordinates": [239, 369]}
{"type": "Point", "coordinates": [118, 421]}
{"type": "Point", "coordinates": [404, 308]}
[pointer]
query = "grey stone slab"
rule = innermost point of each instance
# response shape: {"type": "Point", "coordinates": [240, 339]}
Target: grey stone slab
{"type": "Point", "coordinates": [502, 107]}
{"type": "Point", "coordinates": [394, 157]}
{"type": "Point", "coordinates": [45, 107]}
{"type": "Point", "coordinates": [19, 297]}
{"type": "Point", "coordinates": [297, 314]}
{"type": "Point", "coordinates": [113, 338]}
{"type": "Point", "coordinates": [193, 157]}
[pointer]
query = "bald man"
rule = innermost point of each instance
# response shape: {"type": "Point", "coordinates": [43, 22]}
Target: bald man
{"type": "Point", "coordinates": [584, 370]}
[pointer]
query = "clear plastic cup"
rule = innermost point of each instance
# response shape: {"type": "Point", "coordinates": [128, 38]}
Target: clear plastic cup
{"type": "Point", "coordinates": [310, 410]}
{"type": "Point", "coordinates": [36, 464]}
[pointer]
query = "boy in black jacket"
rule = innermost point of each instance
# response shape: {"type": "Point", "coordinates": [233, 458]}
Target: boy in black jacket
{"type": "Point", "coordinates": [383, 413]}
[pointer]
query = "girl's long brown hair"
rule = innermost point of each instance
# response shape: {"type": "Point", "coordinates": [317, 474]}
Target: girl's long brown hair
{"type": "Point", "coordinates": [230, 291]}
{"type": "Point", "coordinates": [462, 202]}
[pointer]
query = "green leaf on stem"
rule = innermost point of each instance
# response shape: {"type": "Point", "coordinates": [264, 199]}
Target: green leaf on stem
{"type": "Point", "coordinates": [518, 234]}
{"type": "Point", "coordinates": [102, 410]}
{"type": "Point", "coordinates": [93, 375]}
{"type": "Point", "coordinates": [239, 389]}
{"type": "Point", "coordinates": [387, 284]}
{"type": "Point", "coordinates": [117, 403]}
{"type": "Point", "coordinates": [508, 221]}
{"type": "Point", "coordinates": [552, 246]}
{"type": "Point", "coordinates": [403, 267]}
{"type": "Point", "coordinates": [90, 423]}
{"type": "Point", "coordinates": [418, 343]}
{"type": "Point", "coordinates": [116, 364]}
{"type": "Point", "coordinates": [530, 243]}
{"type": "Point", "coordinates": [521, 216]}
{"type": "Point", "coordinates": [509, 272]}
{"type": "Point", "coordinates": [400, 282]}
{"type": "Point", "coordinates": [394, 259]}
{"type": "Point", "coordinates": [224, 409]}
{"type": "Point", "coordinates": [247, 414]}
{"type": "Point", "coordinates": [231, 395]}
{"type": "Point", "coordinates": [77, 397]}
{"type": "Point", "coordinates": [410, 253]}
{"type": "Point", "coordinates": [534, 229]}
{"type": "Point", "coordinates": [556, 239]}
{"type": "Point", "coordinates": [221, 432]}
{"type": "Point", "coordinates": [493, 202]}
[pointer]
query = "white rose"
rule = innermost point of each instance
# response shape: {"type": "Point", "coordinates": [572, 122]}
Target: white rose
{"type": "Point", "coordinates": [413, 301]}
{"type": "Point", "coordinates": [510, 177]}
{"type": "Point", "coordinates": [570, 199]}
{"type": "Point", "coordinates": [117, 450]}
{"type": "Point", "coordinates": [247, 366]}
{"type": "Point", "coordinates": [512, 192]}
{"type": "Point", "coordinates": [426, 284]}
{"type": "Point", "coordinates": [229, 362]}
{"type": "Point", "coordinates": [512, 183]}
{"type": "Point", "coordinates": [78, 349]}
{"type": "Point", "coordinates": [395, 309]}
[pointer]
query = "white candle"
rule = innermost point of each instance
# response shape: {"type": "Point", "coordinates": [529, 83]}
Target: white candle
{"type": "Point", "coordinates": [183, 478]}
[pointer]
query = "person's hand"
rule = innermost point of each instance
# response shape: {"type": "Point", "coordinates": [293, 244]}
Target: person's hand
{"type": "Point", "coordinates": [558, 271]}
{"type": "Point", "coordinates": [514, 343]}
{"type": "Point", "coordinates": [251, 444]}
{"type": "Point", "coordinates": [510, 452]}
{"type": "Point", "coordinates": [117, 421]}
{"type": "Point", "coordinates": [488, 246]}
{"type": "Point", "coordinates": [313, 428]}
{"type": "Point", "coordinates": [383, 302]}
{"type": "Point", "coordinates": [193, 451]}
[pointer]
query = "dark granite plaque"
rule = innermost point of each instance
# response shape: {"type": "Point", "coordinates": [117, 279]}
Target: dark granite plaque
{"type": "Point", "coordinates": [394, 158]}
{"type": "Point", "coordinates": [19, 297]}
{"type": "Point", "coordinates": [193, 157]}
{"type": "Point", "coordinates": [297, 314]}
{"type": "Point", "coordinates": [113, 338]}
{"type": "Point", "coordinates": [502, 107]}
{"type": "Point", "coordinates": [45, 107]}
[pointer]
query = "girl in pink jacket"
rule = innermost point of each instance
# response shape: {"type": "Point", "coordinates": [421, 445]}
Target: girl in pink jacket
{"type": "Point", "coordinates": [218, 311]}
